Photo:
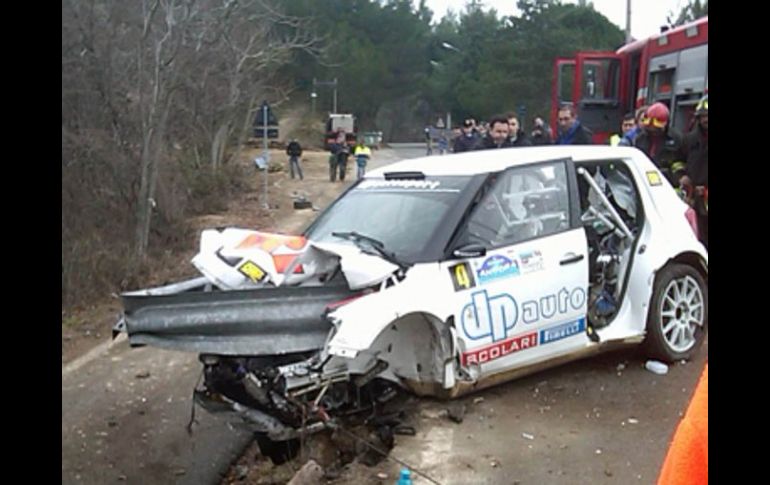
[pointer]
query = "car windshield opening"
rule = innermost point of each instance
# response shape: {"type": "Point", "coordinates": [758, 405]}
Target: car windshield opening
{"type": "Point", "coordinates": [402, 214]}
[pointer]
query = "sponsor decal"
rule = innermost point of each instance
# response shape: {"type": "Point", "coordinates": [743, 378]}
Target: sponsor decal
{"type": "Point", "coordinates": [252, 271]}
{"type": "Point", "coordinates": [399, 184]}
{"type": "Point", "coordinates": [497, 267]}
{"type": "Point", "coordinates": [500, 349]}
{"type": "Point", "coordinates": [548, 306]}
{"type": "Point", "coordinates": [462, 276]}
{"type": "Point", "coordinates": [653, 178]}
{"type": "Point", "coordinates": [564, 330]}
{"type": "Point", "coordinates": [489, 316]}
{"type": "Point", "coordinates": [531, 261]}
{"type": "Point", "coordinates": [495, 316]}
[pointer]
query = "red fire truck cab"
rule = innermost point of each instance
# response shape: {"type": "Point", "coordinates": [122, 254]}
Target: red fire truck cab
{"type": "Point", "coordinates": [670, 67]}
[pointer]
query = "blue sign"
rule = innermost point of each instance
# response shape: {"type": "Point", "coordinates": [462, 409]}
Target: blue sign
{"type": "Point", "coordinates": [495, 267]}
{"type": "Point", "coordinates": [564, 330]}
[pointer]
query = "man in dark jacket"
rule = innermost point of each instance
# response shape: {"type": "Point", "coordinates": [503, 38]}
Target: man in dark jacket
{"type": "Point", "coordinates": [541, 133]}
{"type": "Point", "coordinates": [467, 140]}
{"type": "Point", "coordinates": [518, 137]}
{"type": "Point", "coordinates": [294, 151]}
{"type": "Point", "coordinates": [662, 143]}
{"type": "Point", "coordinates": [498, 135]}
{"type": "Point", "coordinates": [571, 131]}
{"type": "Point", "coordinates": [696, 180]}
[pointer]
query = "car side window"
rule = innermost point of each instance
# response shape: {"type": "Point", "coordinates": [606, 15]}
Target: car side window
{"type": "Point", "coordinates": [521, 203]}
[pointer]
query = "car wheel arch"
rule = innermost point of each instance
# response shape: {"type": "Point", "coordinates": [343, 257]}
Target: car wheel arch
{"type": "Point", "coordinates": [675, 268]}
{"type": "Point", "coordinates": [416, 345]}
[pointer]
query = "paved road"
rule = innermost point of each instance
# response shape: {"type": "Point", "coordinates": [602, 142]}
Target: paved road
{"type": "Point", "coordinates": [600, 420]}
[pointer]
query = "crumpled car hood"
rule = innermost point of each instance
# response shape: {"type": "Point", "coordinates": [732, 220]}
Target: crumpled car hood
{"type": "Point", "coordinates": [235, 258]}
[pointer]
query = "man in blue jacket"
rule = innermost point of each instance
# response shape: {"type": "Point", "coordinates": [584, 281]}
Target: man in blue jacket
{"type": "Point", "coordinates": [571, 131]}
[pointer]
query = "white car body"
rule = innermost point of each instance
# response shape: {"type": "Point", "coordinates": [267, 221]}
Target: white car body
{"type": "Point", "coordinates": [541, 310]}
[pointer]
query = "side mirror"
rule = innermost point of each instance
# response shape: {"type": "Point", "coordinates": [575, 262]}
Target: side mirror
{"type": "Point", "coordinates": [470, 251]}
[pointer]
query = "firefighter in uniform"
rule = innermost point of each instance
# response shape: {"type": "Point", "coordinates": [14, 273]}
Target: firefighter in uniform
{"type": "Point", "coordinates": [662, 143]}
{"type": "Point", "coordinates": [696, 181]}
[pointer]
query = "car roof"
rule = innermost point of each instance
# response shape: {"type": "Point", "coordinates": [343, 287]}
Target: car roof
{"type": "Point", "coordinates": [495, 160]}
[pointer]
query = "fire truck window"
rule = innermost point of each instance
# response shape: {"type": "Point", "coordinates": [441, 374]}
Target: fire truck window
{"type": "Point", "coordinates": [566, 81]}
{"type": "Point", "coordinates": [601, 79]}
{"type": "Point", "coordinates": [660, 85]}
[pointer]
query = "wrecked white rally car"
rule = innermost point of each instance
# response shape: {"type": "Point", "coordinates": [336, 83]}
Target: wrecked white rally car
{"type": "Point", "coordinates": [440, 276]}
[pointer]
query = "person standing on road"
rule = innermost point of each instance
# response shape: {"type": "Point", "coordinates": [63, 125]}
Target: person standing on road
{"type": "Point", "coordinates": [695, 182]}
{"type": "Point", "coordinates": [362, 153]}
{"type": "Point", "coordinates": [338, 160]}
{"type": "Point", "coordinates": [571, 130]}
{"type": "Point", "coordinates": [628, 137]}
{"type": "Point", "coordinates": [541, 133]}
{"type": "Point", "coordinates": [294, 151]}
{"type": "Point", "coordinates": [628, 124]}
{"type": "Point", "coordinates": [518, 137]}
{"type": "Point", "coordinates": [662, 143]}
{"type": "Point", "coordinates": [498, 135]}
{"type": "Point", "coordinates": [468, 139]}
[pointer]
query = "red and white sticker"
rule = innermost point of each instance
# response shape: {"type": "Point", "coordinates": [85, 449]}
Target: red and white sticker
{"type": "Point", "coordinates": [499, 349]}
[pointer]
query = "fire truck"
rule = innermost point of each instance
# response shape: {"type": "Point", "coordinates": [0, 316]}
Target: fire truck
{"type": "Point", "coordinates": [670, 67]}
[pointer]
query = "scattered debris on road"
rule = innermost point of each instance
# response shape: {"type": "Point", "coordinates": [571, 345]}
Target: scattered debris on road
{"type": "Point", "coordinates": [656, 367]}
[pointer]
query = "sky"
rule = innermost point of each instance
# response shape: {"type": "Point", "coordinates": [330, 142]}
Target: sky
{"type": "Point", "coordinates": [646, 15]}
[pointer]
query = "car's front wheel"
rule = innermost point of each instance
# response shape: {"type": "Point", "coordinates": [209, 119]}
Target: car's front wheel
{"type": "Point", "coordinates": [678, 317]}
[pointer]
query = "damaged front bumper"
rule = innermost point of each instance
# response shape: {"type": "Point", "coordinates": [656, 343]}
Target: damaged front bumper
{"type": "Point", "coordinates": [258, 421]}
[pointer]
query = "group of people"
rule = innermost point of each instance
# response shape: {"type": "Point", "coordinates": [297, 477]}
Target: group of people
{"type": "Point", "coordinates": [683, 159]}
{"type": "Point", "coordinates": [338, 159]}
{"type": "Point", "coordinates": [505, 131]}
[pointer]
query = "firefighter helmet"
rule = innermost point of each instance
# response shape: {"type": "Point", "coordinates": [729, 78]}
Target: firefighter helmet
{"type": "Point", "coordinates": [656, 116]}
{"type": "Point", "coordinates": [703, 106]}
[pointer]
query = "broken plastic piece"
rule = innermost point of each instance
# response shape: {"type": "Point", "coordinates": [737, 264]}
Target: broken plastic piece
{"type": "Point", "coordinates": [657, 367]}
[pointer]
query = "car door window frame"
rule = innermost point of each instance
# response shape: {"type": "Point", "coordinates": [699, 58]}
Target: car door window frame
{"type": "Point", "coordinates": [492, 179]}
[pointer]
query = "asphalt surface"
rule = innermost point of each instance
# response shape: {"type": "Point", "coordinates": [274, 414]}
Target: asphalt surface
{"type": "Point", "coordinates": [604, 419]}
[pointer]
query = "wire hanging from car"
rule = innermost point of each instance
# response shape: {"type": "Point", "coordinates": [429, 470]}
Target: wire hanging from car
{"type": "Point", "coordinates": [192, 407]}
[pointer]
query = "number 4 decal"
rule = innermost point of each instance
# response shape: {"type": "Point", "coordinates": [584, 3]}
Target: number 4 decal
{"type": "Point", "coordinates": [462, 276]}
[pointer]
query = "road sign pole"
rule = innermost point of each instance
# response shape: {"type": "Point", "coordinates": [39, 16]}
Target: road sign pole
{"type": "Point", "coordinates": [267, 153]}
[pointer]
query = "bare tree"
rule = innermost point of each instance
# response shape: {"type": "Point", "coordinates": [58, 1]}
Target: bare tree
{"type": "Point", "coordinates": [140, 77]}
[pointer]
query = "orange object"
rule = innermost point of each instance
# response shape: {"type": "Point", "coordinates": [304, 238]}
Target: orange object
{"type": "Point", "coordinates": [687, 461]}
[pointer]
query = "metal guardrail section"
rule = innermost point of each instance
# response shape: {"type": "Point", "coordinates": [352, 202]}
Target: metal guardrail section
{"type": "Point", "coordinates": [264, 321]}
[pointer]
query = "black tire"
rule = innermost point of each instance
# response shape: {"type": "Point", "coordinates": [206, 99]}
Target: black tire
{"type": "Point", "coordinates": [279, 452]}
{"type": "Point", "coordinates": [678, 317]}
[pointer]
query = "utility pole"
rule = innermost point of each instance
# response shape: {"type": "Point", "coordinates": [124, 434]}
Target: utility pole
{"type": "Point", "coordinates": [335, 94]}
{"type": "Point", "coordinates": [328, 83]}
{"type": "Point", "coordinates": [628, 21]}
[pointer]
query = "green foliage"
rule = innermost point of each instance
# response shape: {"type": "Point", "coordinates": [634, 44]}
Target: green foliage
{"type": "Point", "coordinates": [385, 52]}
{"type": "Point", "coordinates": [694, 10]}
